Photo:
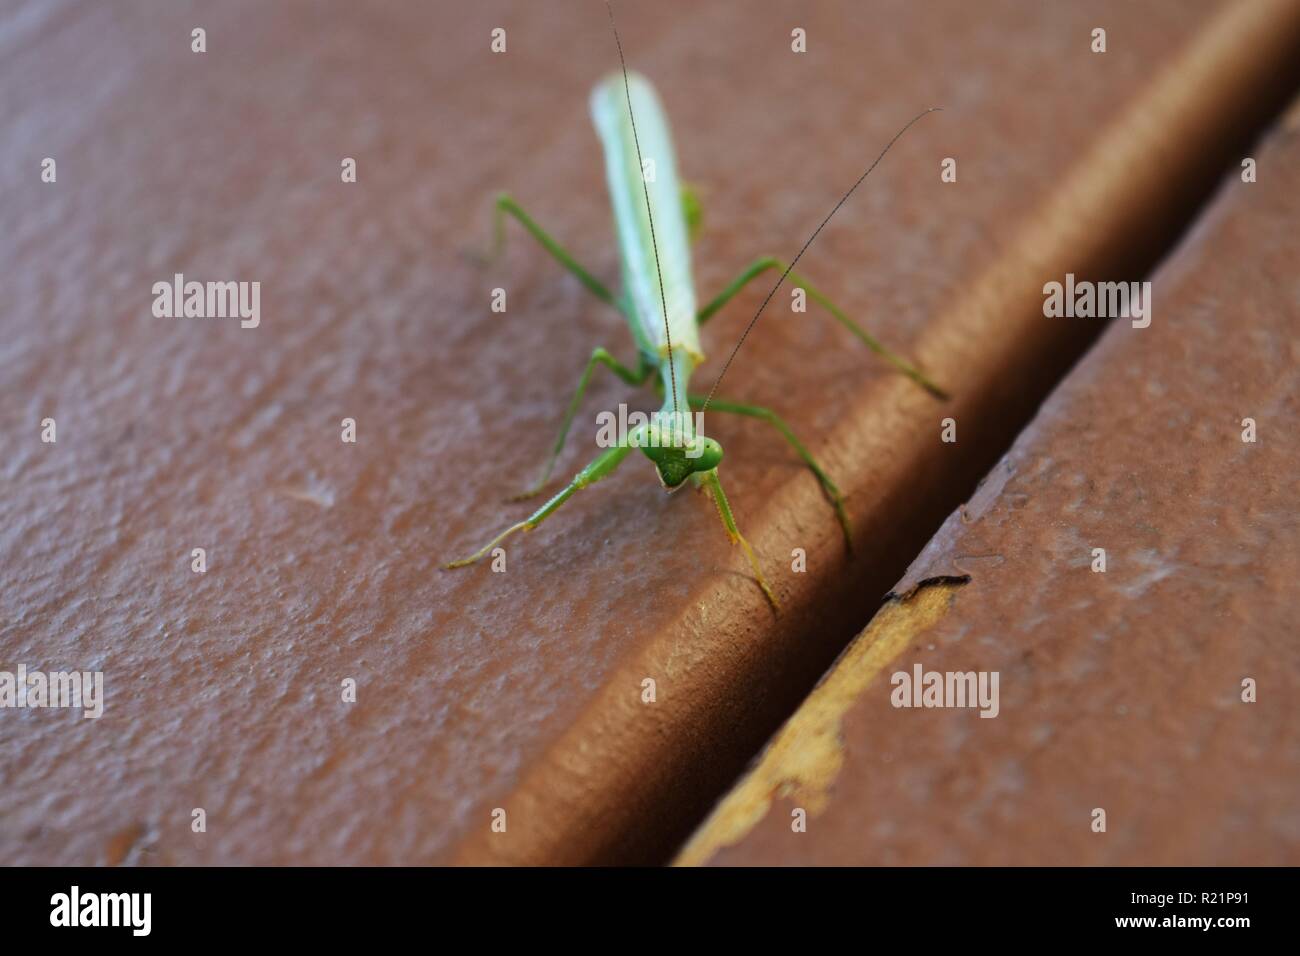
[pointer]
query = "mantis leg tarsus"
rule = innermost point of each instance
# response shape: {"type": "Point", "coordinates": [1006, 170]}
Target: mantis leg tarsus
{"type": "Point", "coordinates": [505, 205]}
{"type": "Point", "coordinates": [599, 356]}
{"type": "Point", "coordinates": [776, 421]}
{"type": "Point", "coordinates": [600, 467]}
{"type": "Point", "coordinates": [710, 481]}
{"type": "Point", "coordinates": [483, 551]}
{"type": "Point", "coordinates": [769, 263]}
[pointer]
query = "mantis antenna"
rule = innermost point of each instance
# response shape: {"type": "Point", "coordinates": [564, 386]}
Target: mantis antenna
{"type": "Point", "coordinates": [816, 232]}
{"type": "Point", "coordinates": [627, 89]}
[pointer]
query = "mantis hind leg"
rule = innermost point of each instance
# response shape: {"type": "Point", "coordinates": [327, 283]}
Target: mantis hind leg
{"type": "Point", "coordinates": [709, 480]}
{"type": "Point", "coordinates": [775, 420]}
{"type": "Point", "coordinates": [766, 264]}
{"type": "Point", "coordinates": [599, 356]}
{"type": "Point", "coordinates": [505, 205]}
{"type": "Point", "coordinates": [600, 467]}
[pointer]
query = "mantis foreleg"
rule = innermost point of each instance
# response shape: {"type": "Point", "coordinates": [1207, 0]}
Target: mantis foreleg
{"type": "Point", "coordinates": [766, 264]}
{"type": "Point", "coordinates": [600, 467]}
{"type": "Point", "coordinates": [775, 420]}
{"type": "Point", "coordinates": [709, 480]}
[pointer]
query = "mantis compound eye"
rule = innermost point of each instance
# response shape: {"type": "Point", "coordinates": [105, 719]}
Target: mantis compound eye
{"type": "Point", "coordinates": [708, 454]}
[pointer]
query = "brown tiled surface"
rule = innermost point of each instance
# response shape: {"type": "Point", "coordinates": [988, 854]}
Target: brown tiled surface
{"type": "Point", "coordinates": [1119, 690]}
{"type": "Point", "coordinates": [522, 690]}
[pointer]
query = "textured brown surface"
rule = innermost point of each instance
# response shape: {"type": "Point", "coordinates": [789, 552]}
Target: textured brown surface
{"type": "Point", "coordinates": [1119, 690]}
{"type": "Point", "coordinates": [521, 690]}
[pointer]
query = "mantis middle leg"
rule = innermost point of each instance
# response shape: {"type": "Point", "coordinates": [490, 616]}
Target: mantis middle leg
{"type": "Point", "coordinates": [599, 356]}
{"type": "Point", "coordinates": [775, 420]}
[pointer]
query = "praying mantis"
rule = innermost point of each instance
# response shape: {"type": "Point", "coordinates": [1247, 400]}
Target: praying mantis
{"type": "Point", "coordinates": [654, 218]}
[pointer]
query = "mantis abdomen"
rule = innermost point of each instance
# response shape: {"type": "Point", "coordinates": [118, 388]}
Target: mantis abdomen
{"type": "Point", "coordinates": [629, 183]}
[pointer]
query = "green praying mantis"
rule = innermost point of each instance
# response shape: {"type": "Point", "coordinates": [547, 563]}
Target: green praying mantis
{"type": "Point", "coordinates": [654, 218]}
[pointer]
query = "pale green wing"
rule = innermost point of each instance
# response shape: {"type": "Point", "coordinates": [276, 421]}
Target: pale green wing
{"type": "Point", "coordinates": [628, 196]}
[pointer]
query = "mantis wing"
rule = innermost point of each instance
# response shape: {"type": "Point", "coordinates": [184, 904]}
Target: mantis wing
{"type": "Point", "coordinates": [632, 220]}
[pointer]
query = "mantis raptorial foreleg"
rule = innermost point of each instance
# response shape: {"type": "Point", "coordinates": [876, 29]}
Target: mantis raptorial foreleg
{"type": "Point", "coordinates": [709, 480]}
{"type": "Point", "coordinates": [599, 356]}
{"type": "Point", "coordinates": [506, 205]}
{"type": "Point", "coordinates": [766, 264]}
{"type": "Point", "coordinates": [600, 467]}
{"type": "Point", "coordinates": [775, 420]}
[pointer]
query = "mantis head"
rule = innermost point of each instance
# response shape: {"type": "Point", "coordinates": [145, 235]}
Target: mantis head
{"type": "Point", "coordinates": [677, 457]}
